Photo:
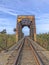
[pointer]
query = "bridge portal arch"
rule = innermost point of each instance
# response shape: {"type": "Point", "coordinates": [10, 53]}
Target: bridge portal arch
{"type": "Point", "coordinates": [26, 20]}
{"type": "Point", "coordinates": [26, 30]}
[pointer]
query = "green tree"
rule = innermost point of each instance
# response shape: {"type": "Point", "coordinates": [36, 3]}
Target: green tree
{"type": "Point", "coordinates": [14, 30]}
{"type": "Point", "coordinates": [3, 31]}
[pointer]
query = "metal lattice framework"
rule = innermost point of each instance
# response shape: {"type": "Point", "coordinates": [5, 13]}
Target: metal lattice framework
{"type": "Point", "coordinates": [26, 21]}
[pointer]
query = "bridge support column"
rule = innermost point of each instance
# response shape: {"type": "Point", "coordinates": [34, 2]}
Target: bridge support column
{"type": "Point", "coordinates": [33, 31]}
{"type": "Point", "coordinates": [19, 31]}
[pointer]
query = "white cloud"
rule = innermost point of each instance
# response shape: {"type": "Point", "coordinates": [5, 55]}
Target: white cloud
{"type": "Point", "coordinates": [4, 21]}
{"type": "Point", "coordinates": [42, 28]}
{"type": "Point", "coordinates": [26, 30]}
{"type": "Point", "coordinates": [42, 23]}
{"type": "Point", "coordinates": [9, 11]}
{"type": "Point", "coordinates": [42, 18]}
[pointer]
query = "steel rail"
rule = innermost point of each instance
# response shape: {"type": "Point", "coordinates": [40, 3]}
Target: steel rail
{"type": "Point", "coordinates": [19, 51]}
{"type": "Point", "coordinates": [36, 55]}
{"type": "Point", "coordinates": [37, 58]}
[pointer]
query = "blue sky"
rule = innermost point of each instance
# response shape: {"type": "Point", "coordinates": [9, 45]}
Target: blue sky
{"type": "Point", "coordinates": [9, 9]}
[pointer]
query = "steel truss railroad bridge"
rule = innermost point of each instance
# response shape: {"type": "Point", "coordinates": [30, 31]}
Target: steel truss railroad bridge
{"type": "Point", "coordinates": [26, 20]}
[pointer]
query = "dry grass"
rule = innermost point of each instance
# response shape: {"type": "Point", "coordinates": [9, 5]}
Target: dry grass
{"type": "Point", "coordinates": [6, 41]}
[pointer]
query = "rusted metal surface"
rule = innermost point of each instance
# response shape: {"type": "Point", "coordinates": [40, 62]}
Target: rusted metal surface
{"type": "Point", "coordinates": [26, 20]}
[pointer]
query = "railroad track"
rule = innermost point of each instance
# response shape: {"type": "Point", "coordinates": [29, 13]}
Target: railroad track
{"type": "Point", "coordinates": [25, 54]}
